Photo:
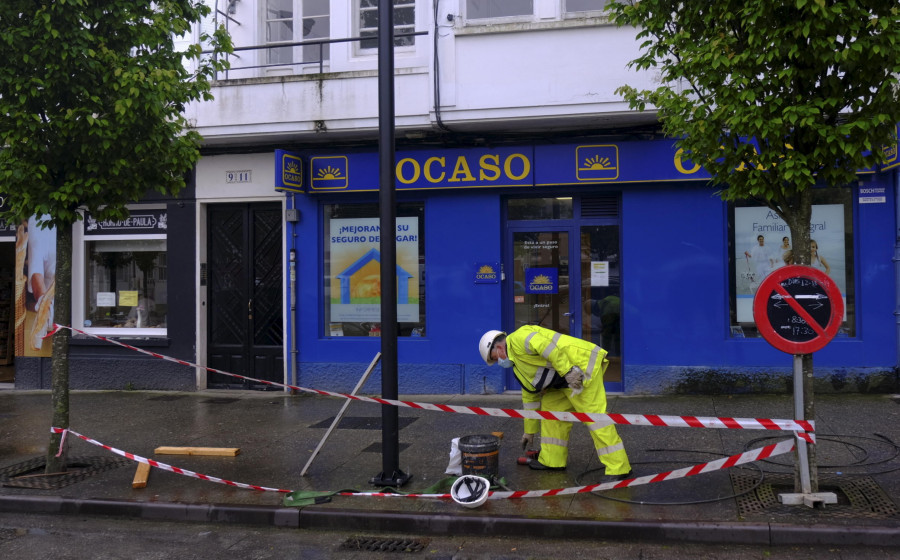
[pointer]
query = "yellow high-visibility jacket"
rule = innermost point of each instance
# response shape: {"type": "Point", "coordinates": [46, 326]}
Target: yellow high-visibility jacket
{"type": "Point", "coordinates": [542, 357]}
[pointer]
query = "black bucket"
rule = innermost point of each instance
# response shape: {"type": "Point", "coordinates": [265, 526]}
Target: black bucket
{"type": "Point", "coordinates": [480, 455]}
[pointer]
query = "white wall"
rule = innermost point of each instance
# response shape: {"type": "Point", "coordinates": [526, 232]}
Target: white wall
{"type": "Point", "coordinates": [546, 70]}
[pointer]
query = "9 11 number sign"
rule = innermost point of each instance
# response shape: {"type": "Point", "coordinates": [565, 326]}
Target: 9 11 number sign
{"type": "Point", "coordinates": [798, 309]}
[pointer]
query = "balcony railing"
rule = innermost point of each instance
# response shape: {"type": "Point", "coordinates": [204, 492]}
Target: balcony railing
{"type": "Point", "coordinates": [319, 43]}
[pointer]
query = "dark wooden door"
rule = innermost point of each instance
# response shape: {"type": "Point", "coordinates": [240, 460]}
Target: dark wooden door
{"type": "Point", "coordinates": [245, 301]}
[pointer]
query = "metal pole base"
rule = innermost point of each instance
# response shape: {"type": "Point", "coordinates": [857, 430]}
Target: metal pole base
{"type": "Point", "coordinates": [397, 478]}
{"type": "Point", "coordinates": [817, 499]}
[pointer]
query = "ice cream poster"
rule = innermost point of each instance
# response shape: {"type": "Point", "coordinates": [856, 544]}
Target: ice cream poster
{"type": "Point", "coordinates": [354, 269]}
{"type": "Point", "coordinates": [762, 243]}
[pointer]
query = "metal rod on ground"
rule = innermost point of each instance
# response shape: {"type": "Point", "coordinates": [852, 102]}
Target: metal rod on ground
{"type": "Point", "coordinates": [340, 414]}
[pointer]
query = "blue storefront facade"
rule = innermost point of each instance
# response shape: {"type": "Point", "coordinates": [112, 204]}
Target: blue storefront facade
{"type": "Point", "coordinates": [624, 243]}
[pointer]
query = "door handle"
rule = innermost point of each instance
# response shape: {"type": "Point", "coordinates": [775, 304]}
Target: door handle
{"type": "Point", "coordinates": [250, 309]}
{"type": "Point", "coordinates": [567, 314]}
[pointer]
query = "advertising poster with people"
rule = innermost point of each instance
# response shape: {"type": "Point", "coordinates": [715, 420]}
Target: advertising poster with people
{"type": "Point", "coordinates": [355, 270]}
{"type": "Point", "coordinates": [762, 243]}
{"type": "Point", "coordinates": [35, 273]}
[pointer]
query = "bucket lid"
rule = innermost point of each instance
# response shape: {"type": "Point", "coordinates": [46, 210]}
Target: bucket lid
{"type": "Point", "coordinates": [470, 491]}
{"type": "Point", "coordinates": [479, 443]}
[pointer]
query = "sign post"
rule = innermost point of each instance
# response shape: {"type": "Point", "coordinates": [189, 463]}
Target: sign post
{"type": "Point", "coordinates": [798, 310]}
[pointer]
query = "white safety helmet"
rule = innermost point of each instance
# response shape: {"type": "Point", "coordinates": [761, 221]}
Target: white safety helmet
{"type": "Point", "coordinates": [484, 345]}
{"type": "Point", "coordinates": [470, 491]}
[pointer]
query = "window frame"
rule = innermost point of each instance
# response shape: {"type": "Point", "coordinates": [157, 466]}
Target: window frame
{"type": "Point", "coordinates": [79, 277]}
{"type": "Point", "coordinates": [359, 30]}
{"type": "Point", "coordinates": [846, 263]}
{"type": "Point", "coordinates": [407, 329]}
{"type": "Point", "coordinates": [298, 62]}
{"type": "Point", "coordinates": [499, 19]}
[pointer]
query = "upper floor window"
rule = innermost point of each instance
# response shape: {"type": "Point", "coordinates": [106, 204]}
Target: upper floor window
{"type": "Point", "coordinates": [290, 21]}
{"type": "Point", "coordinates": [404, 22]}
{"type": "Point", "coordinates": [484, 9]}
{"type": "Point", "coordinates": [576, 7]}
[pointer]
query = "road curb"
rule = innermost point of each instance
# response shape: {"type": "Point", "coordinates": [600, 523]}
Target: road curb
{"type": "Point", "coordinates": [318, 517]}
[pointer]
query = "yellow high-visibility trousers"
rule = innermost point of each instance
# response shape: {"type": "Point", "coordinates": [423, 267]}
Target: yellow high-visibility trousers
{"type": "Point", "coordinates": [555, 433]}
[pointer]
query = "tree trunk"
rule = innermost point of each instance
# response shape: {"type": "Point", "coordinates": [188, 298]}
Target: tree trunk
{"type": "Point", "coordinates": [62, 315]}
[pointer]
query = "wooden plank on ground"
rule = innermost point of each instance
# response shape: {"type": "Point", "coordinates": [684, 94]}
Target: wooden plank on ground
{"type": "Point", "coordinates": [216, 451]}
{"type": "Point", "coordinates": [141, 476]}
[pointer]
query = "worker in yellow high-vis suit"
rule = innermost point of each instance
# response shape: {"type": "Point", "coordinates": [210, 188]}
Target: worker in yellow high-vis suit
{"type": "Point", "coordinates": [558, 373]}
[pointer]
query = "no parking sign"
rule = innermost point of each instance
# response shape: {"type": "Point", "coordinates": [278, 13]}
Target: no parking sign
{"type": "Point", "coordinates": [798, 309]}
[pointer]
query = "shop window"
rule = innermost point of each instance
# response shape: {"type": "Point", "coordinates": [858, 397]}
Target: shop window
{"type": "Point", "coordinates": [125, 271]}
{"type": "Point", "coordinates": [404, 22]}
{"type": "Point", "coordinates": [289, 21]}
{"type": "Point", "coordinates": [487, 9]}
{"type": "Point", "coordinates": [760, 241]}
{"type": "Point", "coordinates": [352, 270]}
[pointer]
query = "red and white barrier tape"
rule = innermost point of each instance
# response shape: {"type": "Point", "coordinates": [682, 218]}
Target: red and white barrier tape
{"type": "Point", "coordinates": [773, 450]}
{"type": "Point", "coordinates": [803, 428]}
{"type": "Point", "coordinates": [766, 452]}
{"type": "Point", "coordinates": [164, 466]}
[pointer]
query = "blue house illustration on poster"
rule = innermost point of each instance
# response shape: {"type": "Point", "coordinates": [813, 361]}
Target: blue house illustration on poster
{"type": "Point", "coordinates": [373, 254]}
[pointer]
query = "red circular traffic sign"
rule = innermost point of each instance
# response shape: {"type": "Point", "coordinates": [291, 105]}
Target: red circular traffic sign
{"type": "Point", "coordinates": [798, 309]}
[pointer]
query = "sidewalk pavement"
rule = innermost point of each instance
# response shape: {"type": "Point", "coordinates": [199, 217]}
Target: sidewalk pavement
{"type": "Point", "coordinates": [276, 433]}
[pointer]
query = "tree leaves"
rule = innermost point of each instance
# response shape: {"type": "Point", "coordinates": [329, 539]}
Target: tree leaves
{"type": "Point", "coordinates": [781, 94]}
{"type": "Point", "coordinates": [91, 94]}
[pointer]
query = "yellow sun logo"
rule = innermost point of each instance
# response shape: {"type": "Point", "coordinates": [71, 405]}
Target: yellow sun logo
{"type": "Point", "coordinates": [329, 173]}
{"type": "Point", "coordinates": [292, 167]}
{"type": "Point", "coordinates": [541, 279]}
{"type": "Point", "coordinates": [598, 163]}
{"type": "Point", "coordinates": [486, 269]}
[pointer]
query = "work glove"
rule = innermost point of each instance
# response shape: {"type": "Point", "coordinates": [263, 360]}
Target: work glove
{"type": "Point", "coordinates": [574, 378]}
{"type": "Point", "coordinates": [527, 441]}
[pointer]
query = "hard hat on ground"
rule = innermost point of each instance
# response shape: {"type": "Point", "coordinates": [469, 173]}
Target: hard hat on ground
{"type": "Point", "coordinates": [485, 344]}
{"type": "Point", "coordinates": [470, 491]}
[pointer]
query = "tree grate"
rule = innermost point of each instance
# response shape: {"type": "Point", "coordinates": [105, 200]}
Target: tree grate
{"type": "Point", "coordinates": [856, 497]}
{"type": "Point", "coordinates": [376, 544]}
{"type": "Point", "coordinates": [29, 474]}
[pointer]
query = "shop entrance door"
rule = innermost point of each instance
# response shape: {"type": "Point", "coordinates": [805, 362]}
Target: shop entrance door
{"type": "Point", "coordinates": [244, 323]}
{"type": "Point", "coordinates": [564, 274]}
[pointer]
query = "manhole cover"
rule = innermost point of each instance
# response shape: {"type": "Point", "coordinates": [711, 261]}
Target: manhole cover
{"type": "Point", "coordinates": [29, 474]}
{"type": "Point", "coordinates": [380, 544]}
{"type": "Point", "coordinates": [856, 497]}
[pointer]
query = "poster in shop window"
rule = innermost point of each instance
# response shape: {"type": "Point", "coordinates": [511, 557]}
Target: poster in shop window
{"type": "Point", "coordinates": [762, 244]}
{"type": "Point", "coordinates": [354, 269]}
{"type": "Point", "coordinates": [34, 281]}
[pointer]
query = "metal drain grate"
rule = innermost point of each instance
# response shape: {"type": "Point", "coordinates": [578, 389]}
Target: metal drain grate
{"type": "Point", "coordinates": [375, 544]}
{"type": "Point", "coordinates": [166, 398]}
{"type": "Point", "coordinates": [23, 475]}
{"type": "Point", "coordinates": [856, 497]}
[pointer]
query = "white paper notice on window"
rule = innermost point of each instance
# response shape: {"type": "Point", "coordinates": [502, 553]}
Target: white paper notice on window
{"type": "Point", "coordinates": [106, 299]}
{"type": "Point", "coordinates": [599, 273]}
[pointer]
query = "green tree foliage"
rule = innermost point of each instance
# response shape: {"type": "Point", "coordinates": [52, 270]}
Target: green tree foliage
{"type": "Point", "coordinates": [91, 101]}
{"type": "Point", "coordinates": [814, 83]}
{"type": "Point", "coordinates": [772, 98]}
